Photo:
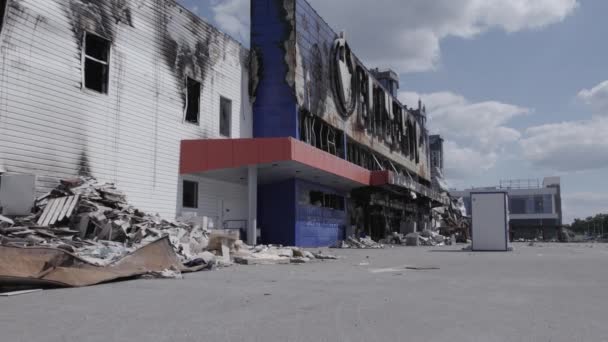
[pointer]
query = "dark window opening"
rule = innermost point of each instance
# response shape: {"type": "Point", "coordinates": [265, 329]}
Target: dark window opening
{"type": "Point", "coordinates": [193, 100]}
{"type": "Point", "coordinates": [321, 135]}
{"type": "Point", "coordinates": [316, 198]}
{"type": "Point", "coordinates": [3, 5]}
{"type": "Point", "coordinates": [325, 200]}
{"type": "Point", "coordinates": [96, 63]}
{"type": "Point", "coordinates": [190, 194]}
{"type": "Point", "coordinates": [225, 116]}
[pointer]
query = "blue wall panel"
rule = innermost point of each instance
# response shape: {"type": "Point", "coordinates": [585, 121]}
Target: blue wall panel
{"type": "Point", "coordinates": [317, 226]}
{"type": "Point", "coordinates": [277, 212]}
{"type": "Point", "coordinates": [275, 112]}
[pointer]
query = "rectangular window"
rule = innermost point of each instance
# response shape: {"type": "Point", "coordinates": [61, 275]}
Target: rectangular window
{"type": "Point", "coordinates": [193, 100]}
{"type": "Point", "coordinates": [190, 194]}
{"type": "Point", "coordinates": [517, 205]}
{"type": "Point", "coordinates": [325, 200]}
{"type": "Point", "coordinates": [96, 62]}
{"type": "Point", "coordinates": [225, 116]}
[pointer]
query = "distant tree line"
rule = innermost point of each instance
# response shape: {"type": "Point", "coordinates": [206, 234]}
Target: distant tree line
{"type": "Point", "coordinates": [593, 225]}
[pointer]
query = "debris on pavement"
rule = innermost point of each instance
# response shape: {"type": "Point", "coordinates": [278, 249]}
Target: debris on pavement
{"type": "Point", "coordinates": [421, 268]}
{"type": "Point", "coordinates": [85, 232]}
{"type": "Point", "coordinates": [352, 242]}
{"type": "Point", "coordinates": [322, 256]}
{"type": "Point", "coordinates": [46, 266]}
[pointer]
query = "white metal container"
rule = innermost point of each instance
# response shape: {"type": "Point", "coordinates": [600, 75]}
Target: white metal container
{"type": "Point", "coordinates": [489, 211]}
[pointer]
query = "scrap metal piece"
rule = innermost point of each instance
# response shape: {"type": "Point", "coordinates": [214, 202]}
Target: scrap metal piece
{"type": "Point", "coordinates": [57, 209]}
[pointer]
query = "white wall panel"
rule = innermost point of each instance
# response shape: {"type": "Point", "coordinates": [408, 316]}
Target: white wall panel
{"type": "Point", "coordinates": [51, 127]}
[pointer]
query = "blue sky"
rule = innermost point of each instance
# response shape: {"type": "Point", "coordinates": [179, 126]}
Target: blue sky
{"type": "Point", "coordinates": [514, 86]}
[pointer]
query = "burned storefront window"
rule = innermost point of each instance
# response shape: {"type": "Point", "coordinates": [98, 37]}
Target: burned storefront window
{"type": "Point", "coordinates": [327, 200]}
{"type": "Point", "coordinates": [96, 62]}
{"type": "Point", "coordinates": [193, 99]}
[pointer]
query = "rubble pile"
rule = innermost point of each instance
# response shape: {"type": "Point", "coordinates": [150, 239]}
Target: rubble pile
{"type": "Point", "coordinates": [94, 221]}
{"type": "Point", "coordinates": [92, 224]}
{"type": "Point", "coordinates": [426, 238]}
{"type": "Point", "coordinates": [352, 242]}
{"type": "Point", "coordinates": [269, 254]}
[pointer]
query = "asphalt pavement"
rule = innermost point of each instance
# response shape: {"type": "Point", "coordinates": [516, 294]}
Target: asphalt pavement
{"type": "Point", "coordinates": [546, 292]}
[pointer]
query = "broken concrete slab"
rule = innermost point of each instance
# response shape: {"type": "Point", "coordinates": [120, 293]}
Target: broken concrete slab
{"type": "Point", "coordinates": [4, 219]}
{"type": "Point", "coordinates": [249, 260]}
{"type": "Point", "coordinates": [299, 260]}
{"type": "Point", "coordinates": [322, 256]}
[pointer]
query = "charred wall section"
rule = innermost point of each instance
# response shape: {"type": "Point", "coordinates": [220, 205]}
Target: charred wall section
{"type": "Point", "coordinates": [2, 12]}
{"type": "Point", "coordinates": [367, 112]}
{"type": "Point", "coordinates": [273, 50]}
{"type": "Point", "coordinates": [52, 126]}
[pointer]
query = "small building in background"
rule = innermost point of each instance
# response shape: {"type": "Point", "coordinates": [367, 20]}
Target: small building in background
{"type": "Point", "coordinates": [535, 207]}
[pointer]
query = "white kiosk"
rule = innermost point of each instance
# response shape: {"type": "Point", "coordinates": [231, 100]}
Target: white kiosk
{"type": "Point", "coordinates": [489, 229]}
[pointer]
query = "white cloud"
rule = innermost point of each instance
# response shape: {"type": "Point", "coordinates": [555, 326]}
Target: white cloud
{"type": "Point", "coordinates": [475, 132]}
{"type": "Point", "coordinates": [406, 35]}
{"type": "Point", "coordinates": [568, 146]}
{"type": "Point", "coordinates": [573, 145]}
{"type": "Point", "coordinates": [194, 9]}
{"type": "Point", "coordinates": [596, 98]}
{"type": "Point", "coordinates": [483, 123]}
{"type": "Point", "coordinates": [583, 204]}
{"type": "Point", "coordinates": [465, 162]}
{"type": "Point", "coordinates": [232, 16]}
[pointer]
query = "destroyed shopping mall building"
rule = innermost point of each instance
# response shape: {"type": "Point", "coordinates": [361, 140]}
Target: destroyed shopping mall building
{"type": "Point", "coordinates": [293, 141]}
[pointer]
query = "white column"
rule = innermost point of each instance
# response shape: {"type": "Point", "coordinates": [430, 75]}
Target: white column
{"type": "Point", "coordinates": [252, 187]}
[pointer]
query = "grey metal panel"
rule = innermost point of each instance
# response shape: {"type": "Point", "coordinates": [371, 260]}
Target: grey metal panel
{"type": "Point", "coordinates": [17, 194]}
{"type": "Point", "coordinates": [489, 229]}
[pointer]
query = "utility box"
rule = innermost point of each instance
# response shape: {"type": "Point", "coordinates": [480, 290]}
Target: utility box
{"type": "Point", "coordinates": [17, 194]}
{"type": "Point", "coordinates": [489, 229]}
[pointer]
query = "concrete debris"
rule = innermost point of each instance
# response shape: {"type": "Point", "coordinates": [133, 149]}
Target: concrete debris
{"type": "Point", "coordinates": [52, 267]}
{"type": "Point", "coordinates": [93, 223]}
{"type": "Point", "coordinates": [268, 254]}
{"type": "Point", "coordinates": [352, 242]}
{"type": "Point", "coordinates": [421, 268]}
{"type": "Point", "coordinates": [412, 239]}
{"type": "Point", "coordinates": [321, 256]}
{"type": "Point", "coordinates": [6, 220]}
{"type": "Point", "coordinates": [299, 260]}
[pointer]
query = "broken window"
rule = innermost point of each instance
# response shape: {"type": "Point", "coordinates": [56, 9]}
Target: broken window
{"type": "Point", "coordinates": [193, 100]}
{"type": "Point", "coordinates": [316, 198]}
{"type": "Point", "coordinates": [225, 116]}
{"type": "Point", "coordinates": [325, 200]}
{"type": "Point", "coordinates": [96, 62]}
{"type": "Point", "coordinates": [190, 194]}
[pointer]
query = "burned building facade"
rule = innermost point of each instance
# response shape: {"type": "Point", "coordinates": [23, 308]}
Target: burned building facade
{"type": "Point", "coordinates": [110, 89]}
{"type": "Point", "coordinates": [311, 86]}
{"type": "Point", "coordinates": [288, 140]}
